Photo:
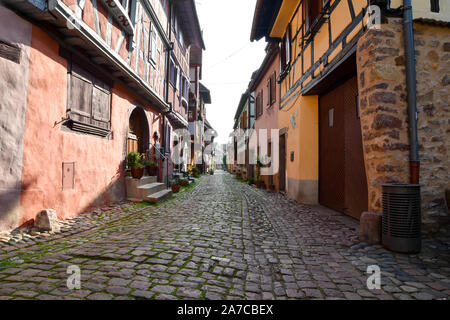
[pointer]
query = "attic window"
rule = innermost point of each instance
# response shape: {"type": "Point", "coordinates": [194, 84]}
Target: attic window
{"type": "Point", "coordinates": [434, 5]}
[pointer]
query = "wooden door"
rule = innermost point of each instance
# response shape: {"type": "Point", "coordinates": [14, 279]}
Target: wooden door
{"type": "Point", "coordinates": [342, 177]}
{"type": "Point", "coordinates": [282, 164]}
{"type": "Point", "coordinates": [356, 198]}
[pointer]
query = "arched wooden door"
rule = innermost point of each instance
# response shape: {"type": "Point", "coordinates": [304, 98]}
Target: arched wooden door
{"type": "Point", "coordinates": [138, 132]}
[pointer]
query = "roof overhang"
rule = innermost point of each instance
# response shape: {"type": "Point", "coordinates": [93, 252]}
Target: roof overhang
{"type": "Point", "coordinates": [241, 104]}
{"type": "Point", "coordinates": [272, 51]}
{"type": "Point", "coordinates": [266, 12]}
{"type": "Point", "coordinates": [73, 34]}
{"type": "Point", "coordinates": [188, 18]}
{"type": "Point", "coordinates": [176, 120]}
{"type": "Point", "coordinates": [285, 14]}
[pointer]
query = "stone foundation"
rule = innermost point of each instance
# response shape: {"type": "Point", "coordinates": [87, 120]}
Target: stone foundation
{"type": "Point", "coordinates": [383, 111]}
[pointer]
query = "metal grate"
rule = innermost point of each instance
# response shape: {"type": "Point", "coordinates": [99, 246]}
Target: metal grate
{"type": "Point", "coordinates": [401, 223]}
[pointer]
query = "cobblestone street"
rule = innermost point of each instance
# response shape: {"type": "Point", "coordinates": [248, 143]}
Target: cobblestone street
{"type": "Point", "coordinates": [223, 239]}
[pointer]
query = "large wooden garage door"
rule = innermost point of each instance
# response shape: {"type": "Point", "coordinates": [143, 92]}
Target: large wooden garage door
{"type": "Point", "coordinates": [342, 176]}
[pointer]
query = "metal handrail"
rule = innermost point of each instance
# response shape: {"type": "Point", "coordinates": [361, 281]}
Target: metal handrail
{"type": "Point", "coordinates": [163, 156]}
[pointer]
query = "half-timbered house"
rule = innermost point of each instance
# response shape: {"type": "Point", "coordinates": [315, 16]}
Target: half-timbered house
{"type": "Point", "coordinates": [84, 82]}
{"type": "Point", "coordinates": [347, 103]}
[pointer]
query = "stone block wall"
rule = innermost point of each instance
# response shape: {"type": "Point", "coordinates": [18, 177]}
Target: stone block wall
{"type": "Point", "coordinates": [383, 113]}
{"type": "Point", "coordinates": [432, 45]}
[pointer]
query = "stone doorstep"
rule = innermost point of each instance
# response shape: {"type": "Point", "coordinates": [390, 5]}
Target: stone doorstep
{"type": "Point", "coordinates": [151, 188]}
{"type": "Point", "coordinates": [159, 196]}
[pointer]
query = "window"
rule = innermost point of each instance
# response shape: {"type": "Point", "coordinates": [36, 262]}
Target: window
{"type": "Point", "coordinates": [286, 50]}
{"type": "Point", "coordinates": [152, 44]}
{"type": "Point", "coordinates": [173, 74]}
{"type": "Point", "coordinates": [88, 102]}
{"type": "Point", "coordinates": [434, 5]}
{"type": "Point", "coordinates": [312, 13]}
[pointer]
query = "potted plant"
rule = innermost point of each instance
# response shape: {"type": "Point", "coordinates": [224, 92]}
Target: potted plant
{"type": "Point", "coordinates": [151, 168]}
{"type": "Point", "coordinates": [176, 185]}
{"type": "Point", "coordinates": [134, 162]}
{"type": "Point", "coordinates": [211, 171]}
{"type": "Point", "coordinates": [184, 183]}
{"type": "Point", "coordinates": [251, 180]}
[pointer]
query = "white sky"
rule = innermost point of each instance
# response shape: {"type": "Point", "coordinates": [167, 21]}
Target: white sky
{"type": "Point", "coordinates": [229, 58]}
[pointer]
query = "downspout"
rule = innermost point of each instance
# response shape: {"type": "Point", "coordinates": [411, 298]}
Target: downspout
{"type": "Point", "coordinates": [414, 162]}
{"type": "Point", "coordinates": [166, 91]}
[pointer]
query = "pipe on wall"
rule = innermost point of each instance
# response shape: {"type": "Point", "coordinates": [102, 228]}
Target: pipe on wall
{"type": "Point", "coordinates": [414, 162]}
{"type": "Point", "coordinates": [166, 91]}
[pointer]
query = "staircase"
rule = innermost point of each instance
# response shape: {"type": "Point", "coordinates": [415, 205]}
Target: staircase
{"type": "Point", "coordinates": [146, 189]}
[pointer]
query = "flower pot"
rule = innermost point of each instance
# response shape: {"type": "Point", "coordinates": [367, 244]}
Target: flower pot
{"type": "Point", "coordinates": [184, 183]}
{"type": "Point", "coordinates": [137, 172]}
{"type": "Point", "coordinates": [175, 188]}
{"type": "Point", "coordinates": [151, 170]}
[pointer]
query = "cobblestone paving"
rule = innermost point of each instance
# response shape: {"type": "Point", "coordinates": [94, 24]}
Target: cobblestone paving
{"type": "Point", "coordinates": [222, 239]}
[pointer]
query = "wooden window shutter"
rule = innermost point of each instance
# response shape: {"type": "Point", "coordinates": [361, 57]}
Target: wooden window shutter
{"type": "Point", "coordinates": [80, 98]}
{"type": "Point", "coordinates": [269, 99]}
{"type": "Point", "coordinates": [100, 107]}
{"type": "Point", "coordinates": [283, 55]}
{"type": "Point", "coordinates": [257, 105]}
{"type": "Point", "coordinates": [273, 88]}
{"type": "Point", "coordinates": [288, 45]}
{"type": "Point", "coordinates": [262, 102]}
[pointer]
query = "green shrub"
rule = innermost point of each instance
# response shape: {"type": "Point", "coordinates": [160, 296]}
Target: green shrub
{"type": "Point", "coordinates": [134, 159]}
{"type": "Point", "coordinates": [150, 164]}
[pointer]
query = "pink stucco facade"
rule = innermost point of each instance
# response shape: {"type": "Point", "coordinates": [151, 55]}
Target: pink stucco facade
{"type": "Point", "coordinates": [269, 118]}
{"type": "Point", "coordinates": [99, 170]}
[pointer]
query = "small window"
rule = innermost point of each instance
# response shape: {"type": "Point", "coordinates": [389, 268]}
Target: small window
{"type": "Point", "coordinates": [434, 5]}
{"type": "Point", "coordinates": [152, 44]}
{"type": "Point", "coordinates": [312, 13]}
{"type": "Point", "coordinates": [331, 117]}
{"type": "Point", "coordinates": [286, 49]}
{"type": "Point", "coordinates": [173, 74]}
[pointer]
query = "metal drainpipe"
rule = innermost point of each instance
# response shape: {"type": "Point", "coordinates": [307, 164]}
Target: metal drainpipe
{"type": "Point", "coordinates": [166, 91]}
{"type": "Point", "coordinates": [414, 162]}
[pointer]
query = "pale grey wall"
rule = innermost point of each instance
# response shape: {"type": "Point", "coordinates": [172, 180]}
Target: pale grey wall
{"type": "Point", "coordinates": [13, 101]}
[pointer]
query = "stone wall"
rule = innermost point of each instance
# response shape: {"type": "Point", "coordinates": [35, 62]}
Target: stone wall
{"type": "Point", "coordinates": [13, 106]}
{"type": "Point", "coordinates": [432, 45]}
{"type": "Point", "coordinates": [383, 110]}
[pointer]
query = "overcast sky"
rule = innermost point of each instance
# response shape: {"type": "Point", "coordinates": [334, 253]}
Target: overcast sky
{"type": "Point", "coordinates": [229, 59]}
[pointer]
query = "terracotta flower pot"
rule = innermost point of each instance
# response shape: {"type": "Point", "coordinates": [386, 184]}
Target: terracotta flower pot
{"type": "Point", "coordinates": [151, 170]}
{"type": "Point", "coordinates": [137, 172]}
{"type": "Point", "coordinates": [175, 188]}
{"type": "Point", "coordinates": [184, 183]}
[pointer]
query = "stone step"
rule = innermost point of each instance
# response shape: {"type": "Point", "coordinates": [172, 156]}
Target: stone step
{"type": "Point", "coordinates": [159, 196]}
{"type": "Point", "coordinates": [134, 193]}
{"type": "Point", "coordinates": [151, 188]}
{"type": "Point", "coordinates": [142, 181]}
